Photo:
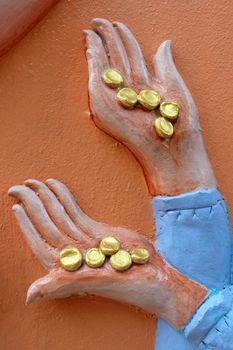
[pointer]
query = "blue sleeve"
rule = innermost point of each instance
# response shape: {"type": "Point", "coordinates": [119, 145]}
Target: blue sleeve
{"type": "Point", "coordinates": [193, 234]}
{"type": "Point", "coordinates": [221, 335]}
{"type": "Point", "coordinates": [211, 319]}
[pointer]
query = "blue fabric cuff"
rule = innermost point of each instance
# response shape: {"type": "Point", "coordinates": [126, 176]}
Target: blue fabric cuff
{"type": "Point", "coordinates": [191, 200]}
{"type": "Point", "coordinates": [207, 316]}
{"type": "Point", "coordinates": [221, 335]}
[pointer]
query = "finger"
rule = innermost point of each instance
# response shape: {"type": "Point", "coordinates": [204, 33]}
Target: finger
{"type": "Point", "coordinates": [91, 227]}
{"type": "Point", "coordinates": [56, 211]}
{"type": "Point", "coordinates": [75, 212]}
{"type": "Point", "coordinates": [95, 44]}
{"type": "Point", "coordinates": [139, 73]}
{"type": "Point", "coordinates": [39, 216]}
{"type": "Point", "coordinates": [114, 47]}
{"type": "Point", "coordinates": [96, 58]}
{"type": "Point", "coordinates": [97, 62]}
{"type": "Point", "coordinates": [165, 70]}
{"type": "Point", "coordinates": [45, 253]}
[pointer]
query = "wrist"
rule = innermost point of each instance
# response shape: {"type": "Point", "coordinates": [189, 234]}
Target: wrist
{"type": "Point", "coordinates": [169, 178]}
{"type": "Point", "coordinates": [184, 296]}
{"type": "Point", "coordinates": [177, 184]}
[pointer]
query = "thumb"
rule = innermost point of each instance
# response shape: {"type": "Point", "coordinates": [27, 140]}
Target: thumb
{"type": "Point", "coordinates": [101, 282]}
{"type": "Point", "coordinates": [61, 284]}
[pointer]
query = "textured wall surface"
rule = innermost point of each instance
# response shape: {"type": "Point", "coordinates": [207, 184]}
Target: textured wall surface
{"type": "Point", "coordinates": [46, 131]}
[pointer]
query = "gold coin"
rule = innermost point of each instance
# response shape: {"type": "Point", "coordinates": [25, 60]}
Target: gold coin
{"type": "Point", "coordinates": [127, 97]}
{"type": "Point", "coordinates": [121, 261]}
{"type": "Point", "coordinates": [94, 257]}
{"type": "Point", "coordinates": [149, 99]}
{"type": "Point", "coordinates": [169, 110]}
{"type": "Point", "coordinates": [112, 78]}
{"type": "Point", "coordinates": [140, 255]}
{"type": "Point", "coordinates": [163, 127]}
{"type": "Point", "coordinates": [110, 245]}
{"type": "Point", "coordinates": [71, 258]}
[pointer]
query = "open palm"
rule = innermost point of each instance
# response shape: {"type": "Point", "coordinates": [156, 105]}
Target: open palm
{"type": "Point", "coordinates": [163, 161]}
{"type": "Point", "coordinates": [51, 220]}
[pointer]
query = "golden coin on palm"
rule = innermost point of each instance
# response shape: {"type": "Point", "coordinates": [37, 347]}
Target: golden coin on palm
{"type": "Point", "coordinates": [112, 78]}
{"type": "Point", "coordinates": [94, 257]}
{"type": "Point", "coordinates": [127, 97]}
{"type": "Point", "coordinates": [110, 245]}
{"type": "Point", "coordinates": [71, 258]}
{"type": "Point", "coordinates": [149, 99]}
{"type": "Point", "coordinates": [169, 110]}
{"type": "Point", "coordinates": [121, 261]}
{"type": "Point", "coordinates": [163, 127]}
{"type": "Point", "coordinates": [140, 255]}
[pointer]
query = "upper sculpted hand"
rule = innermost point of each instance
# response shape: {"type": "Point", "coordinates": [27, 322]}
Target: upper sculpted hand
{"type": "Point", "coordinates": [183, 156]}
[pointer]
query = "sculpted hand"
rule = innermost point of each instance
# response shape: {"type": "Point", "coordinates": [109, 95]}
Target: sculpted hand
{"type": "Point", "coordinates": [171, 166]}
{"type": "Point", "coordinates": [51, 220]}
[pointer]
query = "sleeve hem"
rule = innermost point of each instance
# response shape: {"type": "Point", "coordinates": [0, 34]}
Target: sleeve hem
{"type": "Point", "coordinates": [190, 200]}
{"type": "Point", "coordinates": [208, 315]}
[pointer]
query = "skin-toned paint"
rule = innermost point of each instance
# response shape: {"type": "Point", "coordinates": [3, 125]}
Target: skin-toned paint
{"type": "Point", "coordinates": [183, 156]}
{"type": "Point", "coordinates": [50, 218]}
{"type": "Point", "coordinates": [42, 94]}
{"type": "Point", "coordinates": [18, 17]}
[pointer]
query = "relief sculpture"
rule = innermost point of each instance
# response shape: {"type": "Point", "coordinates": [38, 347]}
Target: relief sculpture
{"type": "Point", "coordinates": [185, 278]}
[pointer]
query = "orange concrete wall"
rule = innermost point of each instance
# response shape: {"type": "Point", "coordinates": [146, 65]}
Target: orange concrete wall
{"type": "Point", "coordinates": [46, 131]}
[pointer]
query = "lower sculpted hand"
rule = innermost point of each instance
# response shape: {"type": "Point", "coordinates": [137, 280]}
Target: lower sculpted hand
{"type": "Point", "coordinates": [51, 220]}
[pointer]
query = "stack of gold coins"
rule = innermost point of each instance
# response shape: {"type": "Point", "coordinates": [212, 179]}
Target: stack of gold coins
{"type": "Point", "coordinates": [71, 258]}
{"type": "Point", "coordinates": [147, 98]}
{"type": "Point", "coordinates": [169, 112]}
